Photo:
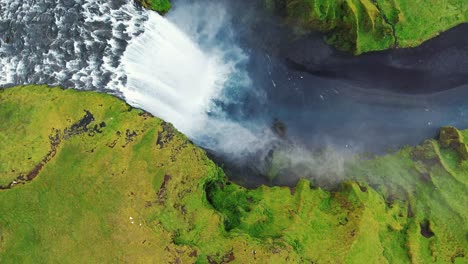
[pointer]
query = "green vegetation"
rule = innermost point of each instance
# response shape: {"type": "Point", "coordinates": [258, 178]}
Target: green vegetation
{"type": "Point", "coordinates": [161, 6]}
{"type": "Point", "coordinates": [361, 26]}
{"type": "Point", "coordinates": [406, 207]}
{"type": "Point", "coordinates": [87, 178]}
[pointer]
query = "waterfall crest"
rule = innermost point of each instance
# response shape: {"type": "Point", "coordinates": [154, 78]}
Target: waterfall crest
{"type": "Point", "coordinates": [170, 76]}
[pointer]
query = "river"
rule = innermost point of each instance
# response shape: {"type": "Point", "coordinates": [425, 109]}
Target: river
{"type": "Point", "coordinates": [234, 80]}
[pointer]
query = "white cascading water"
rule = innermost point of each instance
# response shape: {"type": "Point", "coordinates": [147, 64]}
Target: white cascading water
{"type": "Point", "coordinates": [169, 75]}
{"type": "Point", "coordinates": [172, 75]}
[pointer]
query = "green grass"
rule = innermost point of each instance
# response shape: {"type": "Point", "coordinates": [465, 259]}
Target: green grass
{"type": "Point", "coordinates": [161, 6]}
{"type": "Point", "coordinates": [361, 26]}
{"type": "Point", "coordinates": [154, 197]}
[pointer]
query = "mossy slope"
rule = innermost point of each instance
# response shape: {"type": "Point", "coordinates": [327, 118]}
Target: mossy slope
{"type": "Point", "coordinates": [161, 6]}
{"type": "Point", "coordinates": [117, 185]}
{"type": "Point", "coordinates": [361, 26]}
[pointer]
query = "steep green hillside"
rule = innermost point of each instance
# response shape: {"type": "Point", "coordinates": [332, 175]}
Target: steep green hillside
{"type": "Point", "coordinates": [361, 26]}
{"type": "Point", "coordinates": [86, 178]}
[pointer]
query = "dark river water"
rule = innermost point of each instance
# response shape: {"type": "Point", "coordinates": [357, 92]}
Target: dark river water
{"type": "Point", "coordinates": [239, 73]}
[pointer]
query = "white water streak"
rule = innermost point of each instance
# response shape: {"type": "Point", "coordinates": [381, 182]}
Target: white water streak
{"type": "Point", "coordinates": [170, 76]}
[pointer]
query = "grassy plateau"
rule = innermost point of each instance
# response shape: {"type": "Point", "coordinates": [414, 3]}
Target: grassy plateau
{"type": "Point", "coordinates": [84, 178]}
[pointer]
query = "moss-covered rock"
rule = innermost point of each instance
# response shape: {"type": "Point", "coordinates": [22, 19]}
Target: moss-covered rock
{"type": "Point", "coordinates": [86, 178]}
{"type": "Point", "coordinates": [361, 26]}
{"type": "Point", "coordinates": [160, 6]}
{"type": "Point", "coordinates": [451, 138]}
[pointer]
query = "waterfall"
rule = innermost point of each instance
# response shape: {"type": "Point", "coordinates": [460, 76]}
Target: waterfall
{"type": "Point", "coordinates": [177, 67]}
{"type": "Point", "coordinates": [177, 70]}
{"type": "Point", "coordinates": [169, 75]}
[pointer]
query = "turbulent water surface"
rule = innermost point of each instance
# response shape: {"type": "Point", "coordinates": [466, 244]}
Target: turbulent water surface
{"type": "Point", "coordinates": [222, 72]}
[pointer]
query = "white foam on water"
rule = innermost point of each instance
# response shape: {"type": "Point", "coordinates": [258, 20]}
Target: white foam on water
{"type": "Point", "coordinates": [78, 61]}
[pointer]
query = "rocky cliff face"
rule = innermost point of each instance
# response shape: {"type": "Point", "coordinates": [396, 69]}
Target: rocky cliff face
{"type": "Point", "coordinates": [86, 177]}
